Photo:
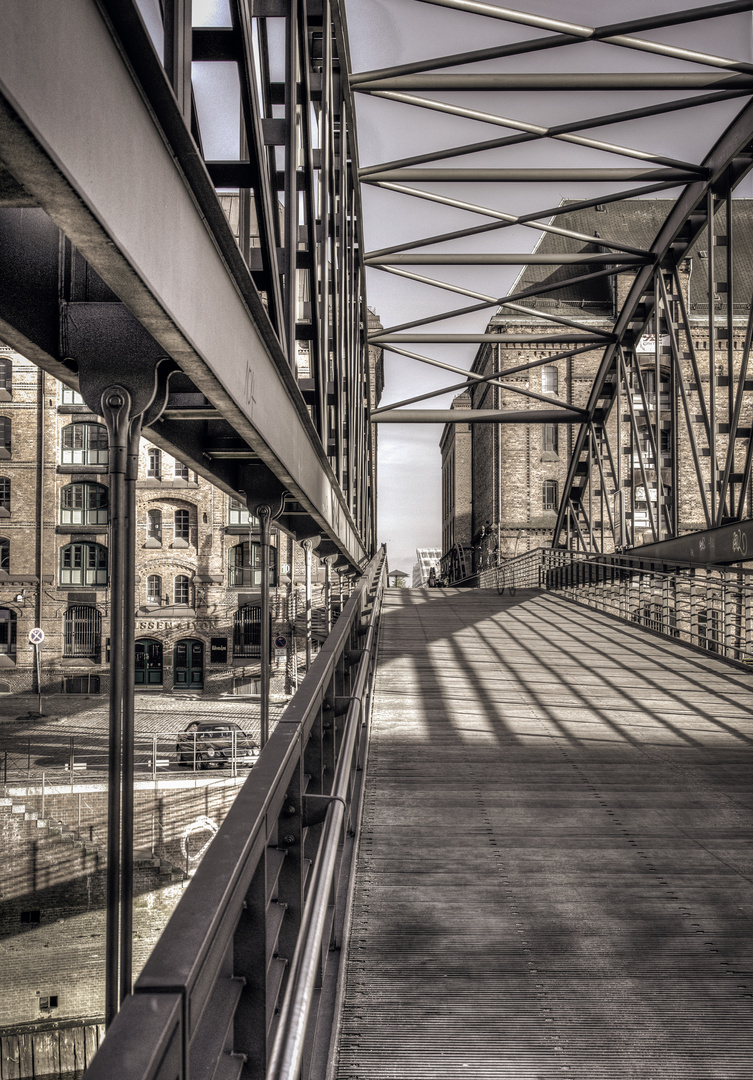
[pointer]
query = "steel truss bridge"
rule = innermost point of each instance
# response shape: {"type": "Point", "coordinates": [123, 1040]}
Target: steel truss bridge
{"type": "Point", "coordinates": [219, 306]}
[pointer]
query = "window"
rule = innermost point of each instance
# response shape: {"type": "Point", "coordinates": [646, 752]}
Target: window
{"type": "Point", "coordinates": [5, 494]}
{"type": "Point", "coordinates": [71, 397]}
{"type": "Point", "coordinates": [84, 504]}
{"type": "Point", "coordinates": [83, 564]}
{"type": "Point", "coordinates": [31, 916]}
{"type": "Point", "coordinates": [85, 444]}
{"type": "Point", "coordinates": [549, 491]}
{"type": "Point", "coordinates": [551, 439]}
{"type": "Point", "coordinates": [247, 632]}
{"type": "Point", "coordinates": [237, 514]}
{"type": "Point", "coordinates": [154, 463]}
{"type": "Point", "coordinates": [154, 525]}
{"type": "Point", "coordinates": [181, 590]}
{"type": "Point", "coordinates": [550, 379]}
{"type": "Point", "coordinates": [5, 436]}
{"type": "Point", "coordinates": [4, 554]}
{"type": "Point", "coordinates": [82, 633]}
{"type": "Point", "coordinates": [6, 374]}
{"type": "Point", "coordinates": [50, 1002]}
{"type": "Point", "coordinates": [182, 525]}
{"type": "Point", "coordinates": [244, 567]}
{"type": "Point", "coordinates": [154, 589]}
{"type": "Point", "coordinates": [7, 632]}
{"type": "Point", "coordinates": [180, 470]}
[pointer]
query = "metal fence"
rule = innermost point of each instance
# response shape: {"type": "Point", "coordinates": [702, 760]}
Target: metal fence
{"type": "Point", "coordinates": [710, 607]}
{"type": "Point", "coordinates": [242, 981]}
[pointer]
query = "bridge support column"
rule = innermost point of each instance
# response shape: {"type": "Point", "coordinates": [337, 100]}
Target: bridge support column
{"type": "Point", "coordinates": [128, 389]}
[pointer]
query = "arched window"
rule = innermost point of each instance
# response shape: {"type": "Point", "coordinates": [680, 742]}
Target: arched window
{"type": "Point", "coordinates": [4, 554]}
{"type": "Point", "coordinates": [182, 525]}
{"type": "Point", "coordinates": [7, 632]}
{"type": "Point", "coordinates": [154, 589]}
{"type": "Point", "coordinates": [247, 632]}
{"type": "Point", "coordinates": [6, 441]}
{"type": "Point", "coordinates": [180, 470]}
{"type": "Point", "coordinates": [244, 565]}
{"type": "Point", "coordinates": [550, 438]}
{"type": "Point", "coordinates": [84, 444]}
{"type": "Point", "coordinates": [6, 376]}
{"type": "Point", "coordinates": [550, 378]}
{"type": "Point", "coordinates": [154, 525]}
{"type": "Point", "coordinates": [83, 564]}
{"type": "Point", "coordinates": [181, 589]}
{"type": "Point", "coordinates": [154, 463]}
{"type": "Point", "coordinates": [549, 494]}
{"type": "Point", "coordinates": [84, 504]}
{"type": "Point", "coordinates": [82, 632]}
{"type": "Point", "coordinates": [4, 496]}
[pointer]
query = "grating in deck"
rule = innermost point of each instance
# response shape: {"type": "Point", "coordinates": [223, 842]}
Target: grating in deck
{"type": "Point", "coordinates": [555, 865]}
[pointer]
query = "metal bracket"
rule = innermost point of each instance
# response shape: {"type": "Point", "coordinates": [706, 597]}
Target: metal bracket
{"type": "Point", "coordinates": [315, 808]}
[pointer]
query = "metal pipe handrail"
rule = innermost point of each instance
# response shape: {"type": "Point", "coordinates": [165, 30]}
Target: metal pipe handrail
{"type": "Point", "coordinates": [287, 1051]}
{"type": "Point", "coordinates": [215, 973]}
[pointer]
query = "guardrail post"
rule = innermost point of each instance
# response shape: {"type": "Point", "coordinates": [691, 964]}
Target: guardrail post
{"type": "Point", "coordinates": [729, 605]}
{"type": "Point", "coordinates": [307, 546]}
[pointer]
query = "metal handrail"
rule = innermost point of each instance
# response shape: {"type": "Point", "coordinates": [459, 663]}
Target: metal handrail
{"type": "Point", "coordinates": [209, 994]}
{"type": "Point", "coordinates": [707, 606]}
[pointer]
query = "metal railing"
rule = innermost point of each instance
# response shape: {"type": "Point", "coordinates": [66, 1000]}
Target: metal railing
{"type": "Point", "coordinates": [241, 982]}
{"type": "Point", "coordinates": [710, 607]}
{"type": "Point", "coordinates": [61, 756]}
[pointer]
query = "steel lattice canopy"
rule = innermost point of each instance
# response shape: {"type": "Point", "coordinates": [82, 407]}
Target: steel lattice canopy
{"type": "Point", "coordinates": [498, 147]}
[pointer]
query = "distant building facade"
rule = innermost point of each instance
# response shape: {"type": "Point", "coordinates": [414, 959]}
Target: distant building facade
{"type": "Point", "coordinates": [198, 575]}
{"type": "Point", "coordinates": [506, 501]}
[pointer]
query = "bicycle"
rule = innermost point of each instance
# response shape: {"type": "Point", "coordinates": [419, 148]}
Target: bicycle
{"type": "Point", "coordinates": [505, 580]}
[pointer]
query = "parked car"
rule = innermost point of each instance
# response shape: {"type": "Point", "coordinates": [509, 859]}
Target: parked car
{"type": "Point", "coordinates": [210, 744]}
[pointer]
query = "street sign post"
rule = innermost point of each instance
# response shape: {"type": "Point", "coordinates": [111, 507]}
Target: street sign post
{"type": "Point", "coordinates": [36, 637]}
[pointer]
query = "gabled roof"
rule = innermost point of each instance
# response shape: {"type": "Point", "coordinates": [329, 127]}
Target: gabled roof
{"type": "Point", "coordinates": [635, 223]}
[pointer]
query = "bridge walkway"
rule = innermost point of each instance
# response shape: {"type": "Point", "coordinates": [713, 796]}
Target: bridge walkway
{"type": "Point", "coordinates": [554, 876]}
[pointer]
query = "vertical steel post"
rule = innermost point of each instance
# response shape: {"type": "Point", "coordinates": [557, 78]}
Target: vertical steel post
{"type": "Point", "coordinates": [328, 591]}
{"type": "Point", "coordinates": [710, 208]}
{"type": "Point", "coordinates": [116, 403]}
{"type": "Point", "coordinates": [307, 548]}
{"type": "Point", "coordinates": [129, 664]}
{"type": "Point", "coordinates": [264, 514]}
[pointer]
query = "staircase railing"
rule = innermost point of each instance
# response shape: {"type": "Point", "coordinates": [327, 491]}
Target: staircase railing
{"type": "Point", "coordinates": [242, 980]}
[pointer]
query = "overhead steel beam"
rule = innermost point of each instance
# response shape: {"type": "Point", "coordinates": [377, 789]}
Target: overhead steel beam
{"type": "Point", "coordinates": [477, 416]}
{"type": "Point", "coordinates": [732, 543]}
{"type": "Point", "coordinates": [566, 81]}
{"type": "Point", "coordinates": [114, 186]}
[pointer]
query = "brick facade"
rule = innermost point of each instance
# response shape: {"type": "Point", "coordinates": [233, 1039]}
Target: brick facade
{"type": "Point", "coordinates": [190, 584]}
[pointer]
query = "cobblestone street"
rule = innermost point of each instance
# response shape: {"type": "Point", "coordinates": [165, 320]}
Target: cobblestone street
{"type": "Point", "coordinates": [77, 727]}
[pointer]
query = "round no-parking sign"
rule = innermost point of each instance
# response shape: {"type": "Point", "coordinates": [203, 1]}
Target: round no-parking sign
{"type": "Point", "coordinates": [36, 636]}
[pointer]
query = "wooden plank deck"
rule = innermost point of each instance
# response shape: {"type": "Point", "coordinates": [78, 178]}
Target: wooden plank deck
{"type": "Point", "coordinates": [555, 865]}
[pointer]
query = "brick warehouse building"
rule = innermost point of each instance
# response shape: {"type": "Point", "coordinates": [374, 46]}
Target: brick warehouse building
{"type": "Point", "coordinates": [198, 576]}
{"type": "Point", "coordinates": [502, 484]}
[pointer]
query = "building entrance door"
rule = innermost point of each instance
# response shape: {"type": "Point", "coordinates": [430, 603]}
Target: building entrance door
{"type": "Point", "coordinates": [148, 662]}
{"type": "Point", "coordinates": [188, 665]}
